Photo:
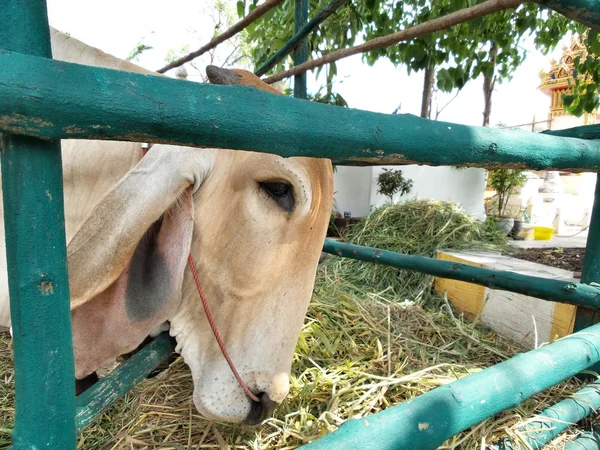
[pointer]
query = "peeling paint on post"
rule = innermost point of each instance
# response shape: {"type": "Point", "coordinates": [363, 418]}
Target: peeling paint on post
{"type": "Point", "coordinates": [37, 261]}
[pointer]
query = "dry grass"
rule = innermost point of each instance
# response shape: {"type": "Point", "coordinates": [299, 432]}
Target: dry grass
{"type": "Point", "coordinates": [358, 353]}
{"type": "Point", "coordinates": [362, 349]}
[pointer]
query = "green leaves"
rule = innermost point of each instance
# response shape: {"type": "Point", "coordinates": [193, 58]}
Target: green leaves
{"type": "Point", "coordinates": [584, 97]}
{"type": "Point", "coordinates": [451, 78]}
{"type": "Point", "coordinates": [460, 54]}
{"type": "Point", "coordinates": [391, 181]}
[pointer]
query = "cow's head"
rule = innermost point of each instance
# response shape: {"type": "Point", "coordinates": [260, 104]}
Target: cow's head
{"type": "Point", "coordinates": [254, 224]}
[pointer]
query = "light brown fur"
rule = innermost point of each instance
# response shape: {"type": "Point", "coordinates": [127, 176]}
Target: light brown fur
{"type": "Point", "coordinates": [257, 262]}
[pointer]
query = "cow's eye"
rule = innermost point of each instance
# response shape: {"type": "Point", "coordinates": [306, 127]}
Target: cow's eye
{"type": "Point", "coordinates": [281, 192]}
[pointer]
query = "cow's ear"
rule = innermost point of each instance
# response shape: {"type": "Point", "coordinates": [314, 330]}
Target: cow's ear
{"type": "Point", "coordinates": [127, 259]}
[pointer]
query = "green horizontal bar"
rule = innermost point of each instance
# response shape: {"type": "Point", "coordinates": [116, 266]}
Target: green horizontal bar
{"type": "Point", "coordinates": [123, 379]}
{"type": "Point", "coordinates": [588, 440]}
{"type": "Point", "coordinates": [586, 12]}
{"type": "Point", "coordinates": [555, 419]}
{"type": "Point", "coordinates": [542, 288]}
{"type": "Point", "coordinates": [95, 103]}
{"type": "Point", "coordinates": [425, 422]}
{"type": "Point", "coordinates": [581, 132]}
{"type": "Point", "coordinates": [305, 31]}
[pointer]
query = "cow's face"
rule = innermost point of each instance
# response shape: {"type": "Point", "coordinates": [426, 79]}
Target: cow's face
{"type": "Point", "coordinates": [259, 228]}
{"type": "Point", "coordinates": [254, 224]}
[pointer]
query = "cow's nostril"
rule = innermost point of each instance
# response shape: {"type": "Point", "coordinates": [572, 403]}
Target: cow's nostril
{"type": "Point", "coordinates": [260, 410]}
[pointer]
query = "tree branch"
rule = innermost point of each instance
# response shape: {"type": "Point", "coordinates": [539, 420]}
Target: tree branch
{"type": "Point", "coordinates": [233, 30]}
{"type": "Point", "coordinates": [439, 111]}
{"type": "Point", "coordinates": [441, 23]}
{"type": "Point", "coordinates": [235, 49]}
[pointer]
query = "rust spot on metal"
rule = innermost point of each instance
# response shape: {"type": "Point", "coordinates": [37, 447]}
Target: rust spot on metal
{"type": "Point", "coordinates": [46, 288]}
{"type": "Point", "coordinates": [72, 129]}
{"type": "Point", "coordinates": [394, 158]}
{"type": "Point", "coordinates": [21, 120]}
{"type": "Point", "coordinates": [22, 125]}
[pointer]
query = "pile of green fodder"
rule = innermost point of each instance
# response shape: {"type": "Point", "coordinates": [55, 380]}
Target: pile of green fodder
{"type": "Point", "coordinates": [413, 228]}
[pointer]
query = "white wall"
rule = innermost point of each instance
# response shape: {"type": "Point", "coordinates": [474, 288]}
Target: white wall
{"type": "Point", "coordinates": [464, 186]}
{"type": "Point", "coordinates": [566, 121]}
{"type": "Point", "coordinates": [352, 187]}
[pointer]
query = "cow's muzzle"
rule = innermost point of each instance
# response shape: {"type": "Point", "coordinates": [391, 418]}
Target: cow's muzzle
{"type": "Point", "coordinates": [260, 410]}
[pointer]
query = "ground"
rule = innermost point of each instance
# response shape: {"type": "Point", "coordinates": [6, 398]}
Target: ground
{"type": "Point", "coordinates": [562, 258]}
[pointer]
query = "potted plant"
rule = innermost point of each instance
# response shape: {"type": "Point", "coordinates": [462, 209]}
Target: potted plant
{"type": "Point", "coordinates": [391, 181]}
{"type": "Point", "coordinates": [518, 226]}
{"type": "Point", "coordinates": [504, 182]}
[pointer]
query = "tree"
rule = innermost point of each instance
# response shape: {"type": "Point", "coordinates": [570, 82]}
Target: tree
{"type": "Point", "coordinates": [232, 53]}
{"type": "Point", "coordinates": [425, 54]}
{"type": "Point", "coordinates": [488, 46]}
{"type": "Point", "coordinates": [584, 97]}
{"type": "Point", "coordinates": [503, 181]}
{"type": "Point", "coordinates": [391, 181]}
{"type": "Point", "coordinates": [500, 36]}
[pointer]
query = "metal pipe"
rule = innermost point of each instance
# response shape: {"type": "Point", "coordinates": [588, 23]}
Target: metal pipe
{"type": "Point", "coordinates": [95, 103]}
{"type": "Point", "coordinates": [425, 422]}
{"type": "Point", "coordinates": [542, 288]}
{"type": "Point", "coordinates": [586, 12]}
{"type": "Point", "coordinates": [588, 440]}
{"type": "Point", "coordinates": [36, 257]}
{"type": "Point", "coordinates": [591, 268]}
{"type": "Point", "coordinates": [304, 32]}
{"type": "Point", "coordinates": [301, 50]}
{"type": "Point", "coordinates": [555, 419]}
{"type": "Point", "coordinates": [123, 379]}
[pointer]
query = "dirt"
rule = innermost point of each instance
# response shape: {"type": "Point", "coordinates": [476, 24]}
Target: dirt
{"type": "Point", "coordinates": [562, 258]}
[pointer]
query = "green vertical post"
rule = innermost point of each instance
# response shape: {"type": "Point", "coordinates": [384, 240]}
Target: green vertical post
{"type": "Point", "coordinates": [591, 261]}
{"type": "Point", "coordinates": [299, 36]}
{"type": "Point", "coordinates": [591, 266]}
{"type": "Point", "coordinates": [301, 52]}
{"type": "Point", "coordinates": [37, 260]}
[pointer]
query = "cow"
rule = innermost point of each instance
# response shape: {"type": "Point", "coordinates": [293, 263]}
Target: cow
{"type": "Point", "coordinates": [254, 223]}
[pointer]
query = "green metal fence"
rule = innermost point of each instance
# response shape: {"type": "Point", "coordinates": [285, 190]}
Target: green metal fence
{"type": "Point", "coordinates": [43, 101]}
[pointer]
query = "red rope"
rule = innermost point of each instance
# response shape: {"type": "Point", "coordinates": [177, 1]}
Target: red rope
{"type": "Point", "coordinates": [248, 392]}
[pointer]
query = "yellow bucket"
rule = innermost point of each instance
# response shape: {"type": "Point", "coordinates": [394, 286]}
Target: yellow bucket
{"type": "Point", "coordinates": [542, 233]}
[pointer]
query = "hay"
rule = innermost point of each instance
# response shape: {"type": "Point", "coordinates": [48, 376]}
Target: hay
{"type": "Point", "coordinates": [414, 228]}
{"type": "Point", "coordinates": [360, 351]}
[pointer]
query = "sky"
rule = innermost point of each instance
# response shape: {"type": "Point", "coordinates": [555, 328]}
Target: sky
{"type": "Point", "coordinates": [116, 27]}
